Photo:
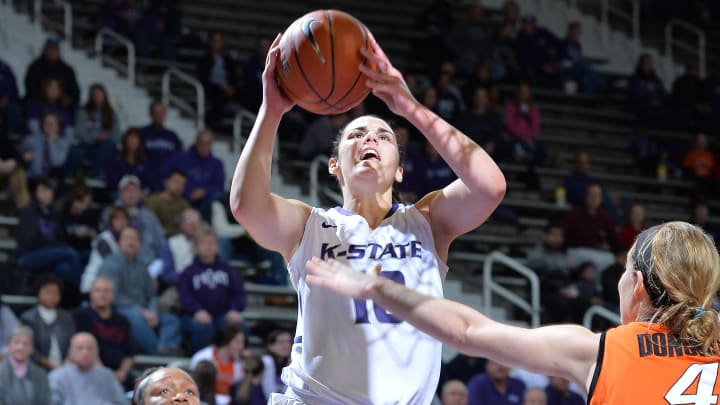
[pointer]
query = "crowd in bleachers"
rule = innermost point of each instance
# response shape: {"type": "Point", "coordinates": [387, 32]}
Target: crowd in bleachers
{"type": "Point", "coordinates": [146, 270]}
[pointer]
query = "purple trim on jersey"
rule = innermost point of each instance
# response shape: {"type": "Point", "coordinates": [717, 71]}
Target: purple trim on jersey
{"type": "Point", "coordinates": [349, 213]}
{"type": "Point", "coordinates": [298, 339]}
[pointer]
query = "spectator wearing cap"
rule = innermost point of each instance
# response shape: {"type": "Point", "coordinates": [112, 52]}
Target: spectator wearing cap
{"type": "Point", "coordinates": [131, 160]}
{"type": "Point", "coordinates": [41, 245]}
{"type": "Point", "coordinates": [51, 65]}
{"type": "Point", "coordinates": [167, 205]}
{"type": "Point", "coordinates": [130, 197]}
{"type": "Point", "coordinates": [136, 298]}
{"type": "Point", "coordinates": [205, 173]}
{"type": "Point", "coordinates": [45, 153]}
{"type": "Point", "coordinates": [161, 145]}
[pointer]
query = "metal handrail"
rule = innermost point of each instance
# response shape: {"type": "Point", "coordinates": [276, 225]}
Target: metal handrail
{"type": "Point", "coordinates": [199, 111]}
{"type": "Point", "coordinates": [690, 27]}
{"type": "Point", "coordinates": [490, 286]}
{"type": "Point", "coordinates": [314, 180]}
{"type": "Point", "coordinates": [67, 17]}
{"type": "Point", "coordinates": [238, 124]}
{"type": "Point", "coordinates": [597, 310]}
{"type": "Point", "coordinates": [100, 40]}
{"type": "Point", "coordinates": [606, 9]}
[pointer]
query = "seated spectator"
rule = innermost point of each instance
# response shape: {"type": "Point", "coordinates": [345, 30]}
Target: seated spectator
{"type": "Point", "coordinates": [558, 393]}
{"type": "Point", "coordinates": [10, 108]}
{"type": "Point", "coordinates": [522, 117]}
{"type": "Point", "coordinates": [236, 244]}
{"type": "Point", "coordinates": [320, 136]}
{"type": "Point", "coordinates": [217, 71]}
{"type": "Point", "coordinates": [137, 299]}
{"type": "Point", "coordinates": [450, 103]}
{"type": "Point", "coordinates": [161, 145]}
{"type": "Point", "coordinates": [425, 171]}
{"type": "Point", "coordinates": [164, 28]}
{"type": "Point", "coordinates": [52, 100]}
{"type": "Point", "coordinates": [699, 165]}
{"type": "Point", "coordinates": [8, 322]}
{"type": "Point", "coordinates": [277, 356]}
{"type": "Point", "coordinates": [21, 381]}
{"type": "Point", "coordinates": [575, 68]}
{"type": "Point", "coordinates": [700, 214]}
{"type": "Point", "coordinates": [83, 380]}
{"type": "Point", "coordinates": [177, 255]}
{"type": "Point", "coordinates": [480, 78]}
{"type": "Point", "coordinates": [251, 94]}
{"type": "Point", "coordinates": [635, 222]}
{"type": "Point", "coordinates": [12, 173]}
{"type": "Point", "coordinates": [579, 179]}
{"type": "Point", "coordinates": [104, 245]}
{"type": "Point", "coordinates": [226, 352]}
{"type": "Point", "coordinates": [504, 66]}
{"type": "Point", "coordinates": [45, 152]}
{"type": "Point", "coordinates": [79, 221]}
{"type": "Point", "coordinates": [250, 390]}
{"type": "Point", "coordinates": [431, 28]}
{"type": "Point", "coordinates": [167, 383]}
{"type": "Point", "coordinates": [461, 368]}
{"type": "Point", "coordinates": [688, 99]}
{"type": "Point", "coordinates": [536, 53]}
{"type": "Point", "coordinates": [205, 173]}
{"type": "Point", "coordinates": [590, 231]}
{"type": "Point", "coordinates": [130, 197]}
{"type": "Point", "coordinates": [205, 375]}
{"type": "Point", "coordinates": [510, 13]}
{"type": "Point", "coordinates": [131, 19]}
{"type": "Point", "coordinates": [110, 329]}
{"type": "Point", "coordinates": [495, 386]}
{"type": "Point", "coordinates": [647, 95]}
{"type": "Point", "coordinates": [454, 392]}
{"type": "Point", "coordinates": [167, 205]}
{"type": "Point", "coordinates": [50, 65]}
{"type": "Point", "coordinates": [52, 327]}
{"type": "Point", "coordinates": [40, 240]}
{"type": "Point", "coordinates": [97, 132]}
{"type": "Point", "coordinates": [482, 124]}
{"type": "Point", "coordinates": [646, 153]}
{"type": "Point", "coordinates": [470, 38]}
{"type": "Point", "coordinates": [130, 161]}
{"type": "Point", "coordinates": [535, 396]}
{"type": "Point", "coordinates": [211, 293]}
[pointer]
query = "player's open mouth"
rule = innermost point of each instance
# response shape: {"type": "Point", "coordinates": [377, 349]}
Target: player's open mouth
{"type": "Point", "coordinates": [369, 155]}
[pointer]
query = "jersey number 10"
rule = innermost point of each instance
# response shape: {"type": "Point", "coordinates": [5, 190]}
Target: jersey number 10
{"type": "Point", "coordinates": [382, 316]}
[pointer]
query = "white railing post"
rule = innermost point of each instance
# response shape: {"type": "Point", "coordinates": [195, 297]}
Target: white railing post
{"type": "Point", "coordinates": [690, 27]}
{"type": "Point", "coordinates": [490, 287]}
{"type": "Point", "coordinates": [597, 310]}
{"type": "Point", "coordinates": [167, 96]}
{"type": "Point", "coordinates": [314, 180]}
{"type": "Point", "coordinates": [99, 41]}
{"type": "Point", "coordinates": [238, 125]}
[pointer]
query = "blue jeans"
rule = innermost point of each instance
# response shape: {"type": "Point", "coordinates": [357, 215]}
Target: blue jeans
{"type": "Point", "coordinates": [201, 334]}
{"type": "Point", "coordinates": [168, 336]}
{"type": "Point", "coordinates": [64, 261]}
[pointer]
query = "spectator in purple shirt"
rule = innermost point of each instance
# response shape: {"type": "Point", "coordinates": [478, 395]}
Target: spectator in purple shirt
{"type": "Point", "coordinates": [211, 292]}
{"type": "Point", "coordinates": [130, 161]}
{"type": "Point", "coordinates": [205, 173]}
{"type": "Point", "coordinates": [161, 145]}
{"type": "Point", "coordinates": [647, 95]}
{"type": "Point", "coordinates": [495, 386]}
{"type": "Point", "coordinates": [558, 393]}
{"type": "Point", "coordinates": [52, 100]}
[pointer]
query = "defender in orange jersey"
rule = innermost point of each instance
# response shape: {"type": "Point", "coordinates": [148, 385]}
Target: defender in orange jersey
{"type": "Point", "coordinates": [666, 351]}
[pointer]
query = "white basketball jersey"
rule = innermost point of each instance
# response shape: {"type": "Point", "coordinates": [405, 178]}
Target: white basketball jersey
{"type": "Point", "coordinates": [352, 351]}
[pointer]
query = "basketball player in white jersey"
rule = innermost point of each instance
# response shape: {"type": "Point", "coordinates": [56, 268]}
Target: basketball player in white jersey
{"type": "Point", "coordinates": [352, 351]}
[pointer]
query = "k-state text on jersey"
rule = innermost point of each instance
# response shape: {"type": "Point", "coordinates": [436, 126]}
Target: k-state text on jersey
{"type": "Point", "coordinates": [374, 251]}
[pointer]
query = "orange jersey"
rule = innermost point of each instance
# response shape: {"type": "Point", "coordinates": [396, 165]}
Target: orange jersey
{"type": "Point", "coordinates": [639, 363]}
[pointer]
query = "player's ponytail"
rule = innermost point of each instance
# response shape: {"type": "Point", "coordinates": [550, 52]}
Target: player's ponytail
{"type": "Point", "coordinates": [681, 271]}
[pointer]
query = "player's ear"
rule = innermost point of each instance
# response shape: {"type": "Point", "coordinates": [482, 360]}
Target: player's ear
{"type": "Point", "coordinates": [399, 174]}
{"type": "Point", "coordinates": [333, 166]}
{"type": "Point", "coordinates": [639, 287]}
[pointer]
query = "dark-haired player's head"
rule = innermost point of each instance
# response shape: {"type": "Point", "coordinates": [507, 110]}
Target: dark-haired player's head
{"type": "Point", "coordinates": [165, 386]}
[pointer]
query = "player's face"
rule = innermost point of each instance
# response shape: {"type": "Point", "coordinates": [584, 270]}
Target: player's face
{"type": "Point", "coordinates": [368, 150]}
{"type": "Point", "coordinates": [169, 386]}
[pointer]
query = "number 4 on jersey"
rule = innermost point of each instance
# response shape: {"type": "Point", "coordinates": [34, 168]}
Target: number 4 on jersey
{"type": "Point", "coordinates": [707, 373]}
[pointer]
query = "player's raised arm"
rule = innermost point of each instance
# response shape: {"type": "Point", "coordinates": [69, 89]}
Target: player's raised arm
{"type": "Point", "coordinates": [274, 222]}
{"type": "Point", "coordinates": [465, 203]}
{"type": "Point", "coordinates": [564, 350]}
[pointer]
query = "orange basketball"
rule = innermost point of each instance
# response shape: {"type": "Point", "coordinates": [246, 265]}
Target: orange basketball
{"type": "Point", "coordinates": [319, 58]}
